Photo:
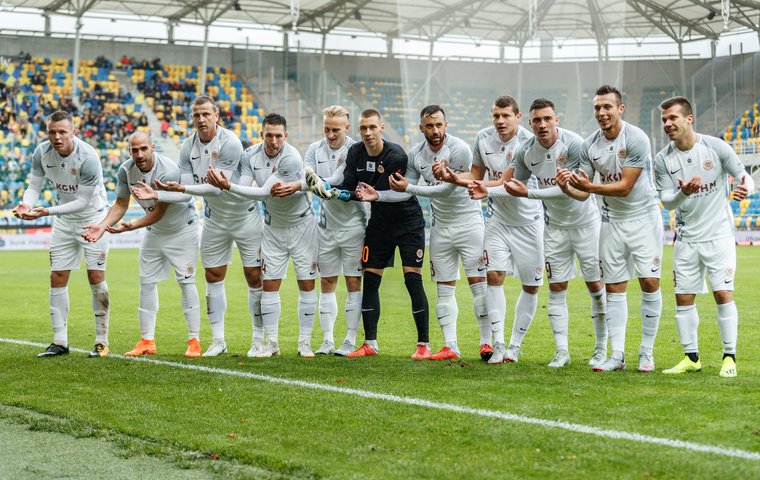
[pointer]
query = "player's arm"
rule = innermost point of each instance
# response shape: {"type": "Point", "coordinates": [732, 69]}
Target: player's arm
{"type": "Point", "coordinates": [743, 183]}
{"type": "Point", "coordinates": [673, 191]}
{"type": "Point", "coordinates": [398, 164]}
{"type": "Point", "coordinates": [575, 162]}
{"type": "Point", "coordinates": [145, 221]}
{"type": "Point", "coordinates": [246, 189]}
{"type": "Point", "coordinates": [290, 175]}
{"type": "Point", "coordinates": [93, 232]}
{"type": "Point", "coordinates": [31, 195]}
{"type": "Point", "coordinates": [628, 177]}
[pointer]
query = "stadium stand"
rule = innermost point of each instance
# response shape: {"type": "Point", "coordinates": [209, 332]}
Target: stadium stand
{"type": "Point", "coordinates": [169, 89]}
{"type": "Point", "coordinates": [744, 132]}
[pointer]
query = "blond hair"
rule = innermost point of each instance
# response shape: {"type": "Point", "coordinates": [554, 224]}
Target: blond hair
{"type": "Point", "coordinates": [335, 111]}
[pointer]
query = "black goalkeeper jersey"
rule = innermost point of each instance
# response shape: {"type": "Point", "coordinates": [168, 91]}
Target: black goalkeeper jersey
{"type": "Point", "coordinates": [375, 171]}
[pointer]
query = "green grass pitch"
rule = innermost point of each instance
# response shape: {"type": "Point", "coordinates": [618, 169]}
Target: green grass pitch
{"type": "Point", "coordinates": [164, 421]}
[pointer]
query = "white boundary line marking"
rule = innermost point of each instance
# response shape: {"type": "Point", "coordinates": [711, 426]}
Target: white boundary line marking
{"type": "Point", "coordinates": [510, 417]}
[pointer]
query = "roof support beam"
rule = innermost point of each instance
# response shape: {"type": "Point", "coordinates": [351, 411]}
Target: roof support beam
{"type": "Point", "coordinates": [670, 16]}
{"type": "Point", "coordinates": [520, 34]}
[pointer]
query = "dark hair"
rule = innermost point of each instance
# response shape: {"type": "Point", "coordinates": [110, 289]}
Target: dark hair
{"type": "Point", "coordinates": [682, 102]}
{"type": "Point", "coordinates": [506, 101]}
{"type": "Point", "coordinates": [431, 110]}
{"type": "Point", "coordinates": [274, 119]}
{"type": "Point", "coordinates": [607, 89]}
{"type": "Point", "coordinates": [203, 99]}
{"type": "Point", "coordinates": [60, 115]}
{"type": "Point", "coordinates": [371, 112]}
{"type": "Point", "coordinates": [540, 103]}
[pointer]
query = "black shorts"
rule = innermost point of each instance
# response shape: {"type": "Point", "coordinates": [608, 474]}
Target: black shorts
{"type": "Point", "coordinates": [381, 240]}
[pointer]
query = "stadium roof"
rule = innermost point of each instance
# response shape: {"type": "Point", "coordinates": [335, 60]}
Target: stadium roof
{"type": "Point", "coordinates": [512, 22]}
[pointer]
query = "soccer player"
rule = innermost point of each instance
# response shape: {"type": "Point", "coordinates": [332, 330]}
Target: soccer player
{"type": "Point", "coordinates": [395, 221]}
{"type": "Point", "coordinates": [457, 224]}
{"type": "Point", "coordinates": [226, 218]}
{"type": "Point", "coordinates": [171, 239]}
{"type": "Point", "coordinates": [341, 235]}
{"type": "Point", "coordinates": [692, 177]}
{"type": "Point", "coordinates": [632, 229]}
{"type": "Point", "coordinates": [289, 229]}
{"type": "Point", "coordinates": [74, 168]}
{"type": "Point", "coordinates": [572, 224]}
{"type": "Point", "coordinates": [514, 228]}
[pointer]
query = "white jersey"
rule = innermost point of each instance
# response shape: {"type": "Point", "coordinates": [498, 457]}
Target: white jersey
{"type": "Point", "coordinates": [630, 148]}
{"type": "Point", "coordinates": [80, 167]}
{"type": "Point", "coordinates": [450, 205]}
{"type": "Point", "coordinates": [334, 215]}
{"type": "Point", "coordinates": [223, 152]}
{"type": "Point", "coordinates": [705, 215]}
{"type": "Point", "coordinates": [532, 158]}
{"type": "Point", "coordinates": [495, 156]}
{"type": "Point", "coordinates": [288, 167]}
{"type": "Point", "coordinates": [177, 215]}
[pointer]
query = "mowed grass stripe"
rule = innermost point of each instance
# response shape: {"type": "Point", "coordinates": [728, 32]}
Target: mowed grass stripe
{"type": "Point", "coordinates": [572, 427]}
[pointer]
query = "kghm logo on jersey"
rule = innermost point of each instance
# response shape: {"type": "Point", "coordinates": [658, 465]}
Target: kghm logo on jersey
{"type": "Point", "coordinates": [66, 188]}
{"type": "Point", "coordinates": [707, 164]}
{"type": "Point", "coordinates": [622, 153]}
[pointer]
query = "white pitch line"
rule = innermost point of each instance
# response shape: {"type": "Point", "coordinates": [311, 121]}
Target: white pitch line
{"type": "Point", "coordinates": [572, 427]}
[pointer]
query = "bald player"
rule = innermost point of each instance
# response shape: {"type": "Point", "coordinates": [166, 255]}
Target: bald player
{"type": "Point", "coordinates": [170, 241]}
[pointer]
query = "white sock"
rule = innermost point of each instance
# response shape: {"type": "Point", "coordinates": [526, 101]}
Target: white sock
{"type": "Point", "coordinates": [447, 312]}
{"type": "Point", "coordinates": [480, 306]}
{"type": "Point", "coordinates": [270, 314]}
{"type": "Point", "coordinates": [147, 310]}
{"type": "Point", "coordinates": [307, 309]}
{"type": "Point", "coordinates": [617, 318]}
{"type": "Point", "coordinates": [373, 344]}
{"type": "Point", "coordinates": [525, 310]}
{"type": "Point", "coordinates": [328, 312]}
{"type": "Point", "coordinates": [687, 321]}
{"type": "Point", "coordinates": [497, 310]}
{"type": "Point", "coordinates": [353, 315]}
{"type": "Point", "coordinates": [254, 307]}
{"type": "Point", "coordinates": [100, 309]}
{"type": "Point", "coordinates": [651, 308]}
{"type": "Point", "coordinates": [216, 303]}
{"type": "Point", "coordinates": [559, 318]}
{"type": "Point", "coordinates": [598, 318]}
{"type": "Point", "coordinates": [59, 315]}
{"type": "Point", "coordinates": [191, 306]}
{"type": "Point", "coordinates": [728, 324]}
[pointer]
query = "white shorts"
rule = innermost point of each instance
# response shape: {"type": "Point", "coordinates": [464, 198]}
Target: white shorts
{"type": "Point", "coordinates": [628, 248]}
{"type": "Point", "coordinates": [691, 260]}
{"type": "Point", "coordinates": [160, 251]}
{"type": "Point", "coordinates": [518, 251]}
{"type": "Point", "coordinates": [217, 238]}
{"type": "Point", "coordinates": [450, 243]}
{"type": "Point", "coordinates": [562, 246]}
{"type": "Point", "coordinates": [281, 243]}
{"type": "Point", "coordinates": [67, 245]}
{"type": "Point", "coordinates": [340, 252]}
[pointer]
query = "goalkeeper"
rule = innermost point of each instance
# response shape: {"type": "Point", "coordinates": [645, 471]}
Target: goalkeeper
{"type": "Point", "coordinates": [395, 221]}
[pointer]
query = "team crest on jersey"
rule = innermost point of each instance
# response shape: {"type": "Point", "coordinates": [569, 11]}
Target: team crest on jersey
{"type": "Point", "coordinates": [540, 270]}
{"type": "Point", "coordinates": [730, 272]}
{"type": "Point", "coordinates": [215, 155]}
{"type": "Point", "coordinates": [380, 169]}
{"type": "Point", "coordinates": [370, 166]}
{"type": "Point", "coordinates": [102, 258]}
{"type": "Point", "coordinates": [707, 164]}
{"type": "Point", "coordinates": [656, 261]}
{"type": "Point", "coordinates": [74, 170]}
{"type": "Point", "coordinates": [420, 253]}
{"type": "Point", "coordinates": [189, 269]}
{"type": "Point", "coordinates": [622, 153]}
{"type": "Point", "coordinates": [562, 160]}
{"type": "Point", "coordinates": [314, 266]}
{"type": "Point", "coordinates": [341, 161]}
{"type": "Point", "coordinates": [509, 156]}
